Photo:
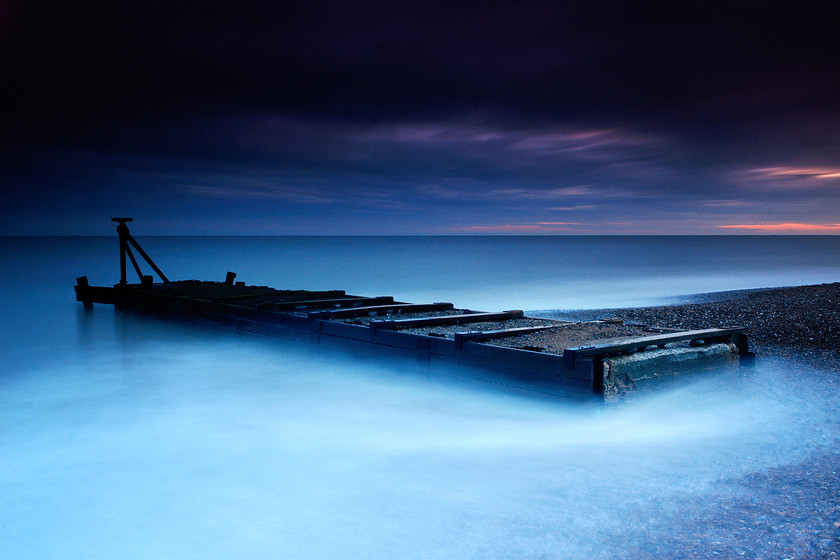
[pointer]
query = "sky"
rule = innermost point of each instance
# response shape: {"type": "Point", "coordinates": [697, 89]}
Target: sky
{"type": "Point", "coordinates": [432, 118]}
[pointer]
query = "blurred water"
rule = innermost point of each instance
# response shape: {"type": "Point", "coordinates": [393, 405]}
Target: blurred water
{"type": "Point", "coordinates": [487, 272]}
{"type": "Point", "coordinates": [124, 436]}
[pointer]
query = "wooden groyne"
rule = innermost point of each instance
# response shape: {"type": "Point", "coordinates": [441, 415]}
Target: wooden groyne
{"type": "Point", "coordinates": [594, 359]}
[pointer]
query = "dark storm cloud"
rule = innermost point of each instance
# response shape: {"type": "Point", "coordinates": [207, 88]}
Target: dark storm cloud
{"type": "Point", "coordinates": [405, 176]}
{"type": "Point", "coordinates": [541, 116]}
{"type": "Point", "coordinates": [702, 61]}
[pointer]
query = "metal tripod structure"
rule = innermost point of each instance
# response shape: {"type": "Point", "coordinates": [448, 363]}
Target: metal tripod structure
{"type": "Point", "coordinates": [125, 249]}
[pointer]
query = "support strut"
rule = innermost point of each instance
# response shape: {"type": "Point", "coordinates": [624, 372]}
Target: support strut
{"type": "Point", "coordinates": [125, 239]}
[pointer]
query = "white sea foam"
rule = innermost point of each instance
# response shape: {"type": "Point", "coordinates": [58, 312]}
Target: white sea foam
{"type": "Point", "coordinates": [188, 443]}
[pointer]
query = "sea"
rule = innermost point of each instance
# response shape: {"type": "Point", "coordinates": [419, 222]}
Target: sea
{"type": "Point", "coordinates": [126, 436]}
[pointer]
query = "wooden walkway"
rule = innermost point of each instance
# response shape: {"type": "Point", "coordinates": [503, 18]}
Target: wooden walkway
{"type": "Point", "coordinates": [526, 350]}
{"type": "Point", "coordinates": [472, 337]}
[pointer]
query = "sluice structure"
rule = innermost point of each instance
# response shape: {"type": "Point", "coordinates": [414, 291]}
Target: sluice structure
{"type": "Point", "coordinates": [600, 360]}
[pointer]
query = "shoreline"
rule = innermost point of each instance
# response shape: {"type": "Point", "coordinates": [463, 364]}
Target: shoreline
{"type": "Point", "coordinates": [799, 322]}
{"type": "Point", "coordinates": [800, 327]}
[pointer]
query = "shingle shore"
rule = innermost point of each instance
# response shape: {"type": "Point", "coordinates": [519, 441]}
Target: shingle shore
{"type": "Point", "coordinates": [787, 511]}
{"type": "Point", "coordinates": [801, 322]}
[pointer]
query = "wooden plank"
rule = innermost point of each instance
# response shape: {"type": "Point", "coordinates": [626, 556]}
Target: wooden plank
{"type": "Point", "coordinates": [570, 355]}
{"type": "Point", "coordinates": [379, 309]}
{"type": "Point", "coordinates": [446, 320]}
{"type": "Point", "coordinates": [89, 295]}
{"type": "Point", "coordinates": [479, 336]}
{"type": "Point", "coordinates": [331, 302]}
{"type": "Point", "coordinates": [286, 296]}
{"type": "Point", "coordinates": [578, 369]}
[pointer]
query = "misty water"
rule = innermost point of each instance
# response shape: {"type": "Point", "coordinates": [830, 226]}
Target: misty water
{"type": "Point", "coordinates": [127, 436]}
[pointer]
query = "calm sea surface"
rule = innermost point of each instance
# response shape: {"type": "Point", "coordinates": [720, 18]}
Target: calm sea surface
{"type": "Point", "coordinates": [123, 436]}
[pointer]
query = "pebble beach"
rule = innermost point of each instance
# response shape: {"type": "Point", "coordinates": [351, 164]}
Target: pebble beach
{"type": "Point", "coordinates": [784, 512]}
{"type": "Point", "coordinates": [801, 323]}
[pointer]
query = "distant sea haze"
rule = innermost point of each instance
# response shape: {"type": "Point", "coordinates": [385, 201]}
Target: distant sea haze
{"type": "Point", "coordinates": [478, 272]}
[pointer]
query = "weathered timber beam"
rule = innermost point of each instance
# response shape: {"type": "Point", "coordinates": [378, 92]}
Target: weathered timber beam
{"type": "Point", "coordinates": [379, 309]}
{"type": "Point", "coordinates": [735, 334]}
{"type": "Point", "coordinates": [336, 302]}
{"type": "Point", "coordinates": [134, 262]}
{"type": "Point", "coordinates": [446, 320]}
{"type": "Point", "coordinates": [143, 254]}
{"type": "Point", "coordinates": [480, 336]}
{"type": "Point", "coordinates": [238, 297]}
{"type": "Point", "coordinates": [82, 289]}
{"type": "Point", "coordinates": [286, 296]}
{"type": "Point", "coordinates": [89, 295]}
{"type": "Point", "coordinates": [123, 249]}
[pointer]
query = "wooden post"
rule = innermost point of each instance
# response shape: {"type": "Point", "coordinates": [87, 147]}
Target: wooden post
{"type": "Point", "coordinates": [598, 375]}
{"type": "Point", "coordinates": [133, 262]}
{"type": "Point", "coordinates": [122, 230]}
{"type": "Point", "coordinates": [82, 294]}
{"type": "Point", "coordinates": [229, 278]}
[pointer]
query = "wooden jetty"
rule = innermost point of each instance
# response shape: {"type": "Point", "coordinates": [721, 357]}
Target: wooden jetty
{"type": "Point", "coordinates": [598, 360]}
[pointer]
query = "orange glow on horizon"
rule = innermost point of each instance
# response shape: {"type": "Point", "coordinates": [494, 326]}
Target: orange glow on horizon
{"type": "Point", "coordinates": [790, 226]}
{"type": "Point", "coordinates": [816, 172]}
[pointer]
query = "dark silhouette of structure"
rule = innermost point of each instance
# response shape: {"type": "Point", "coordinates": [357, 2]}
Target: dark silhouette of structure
{"type": "Point", "coordinates": [125, 239]}
{"type": "Point", "coordinates": [536, 354]}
